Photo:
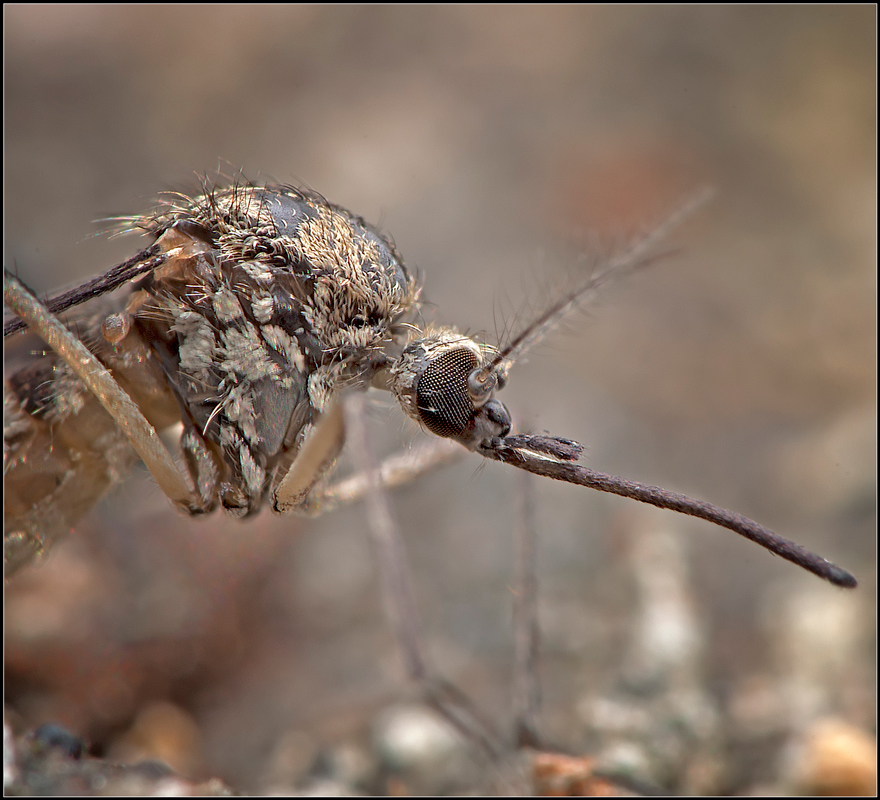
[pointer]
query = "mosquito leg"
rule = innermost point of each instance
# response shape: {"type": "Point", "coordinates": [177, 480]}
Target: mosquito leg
{"type": "Point", "coordinates": [100, 382]}
{"type": "Point", "coordinates": [394, 471]}
{"type": "Point", "coordinates": [139, 264]}
{"type": "Point", "coordinates": [204, 467]}
{"type": "Point", "coordinates": [299, 490]}
{"type": "Point", "coordinates": [399, 597]}
{"type": "Point", "coordinates": [315, 456]}
{"type": "Point", "coordinates": [526, 689]}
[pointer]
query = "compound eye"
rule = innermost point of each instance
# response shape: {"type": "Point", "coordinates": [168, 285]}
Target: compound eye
{"type": "Point", "coordinates": [442, 393]}
{"type": "Point", "coordinates": [481, 385]}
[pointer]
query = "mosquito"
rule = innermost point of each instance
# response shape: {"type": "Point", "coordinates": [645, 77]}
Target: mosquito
{"type": "Point", "coordinates": [254, 320]}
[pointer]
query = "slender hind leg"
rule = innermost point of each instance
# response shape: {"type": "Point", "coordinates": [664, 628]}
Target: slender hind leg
{"type": "Point", "coordinates": [400, 598]}
{"type": "Point", "coordinates": [97, 378]}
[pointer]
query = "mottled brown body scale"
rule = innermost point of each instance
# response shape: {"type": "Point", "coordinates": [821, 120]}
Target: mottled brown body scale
{"type": "Point", "coordinates": [270, 301]}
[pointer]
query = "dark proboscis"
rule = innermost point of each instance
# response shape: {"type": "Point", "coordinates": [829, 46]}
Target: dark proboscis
{"type": "Point", "coordinates": [530, 453]}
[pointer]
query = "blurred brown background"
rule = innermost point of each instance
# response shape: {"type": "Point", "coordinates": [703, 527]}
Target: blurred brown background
{"type": "Point", "coordinates": [497, 145]}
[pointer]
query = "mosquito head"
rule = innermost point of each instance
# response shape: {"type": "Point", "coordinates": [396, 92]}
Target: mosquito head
{"type": "Point", "coordinates": [446, 382]}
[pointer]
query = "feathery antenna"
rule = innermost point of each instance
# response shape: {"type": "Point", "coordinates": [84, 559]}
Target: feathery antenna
{"type": "Point", "coordinates": [636, 257]}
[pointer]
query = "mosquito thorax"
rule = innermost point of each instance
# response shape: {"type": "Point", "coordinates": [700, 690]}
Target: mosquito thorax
{"type": "Point", "coordinates": [444, 382]}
